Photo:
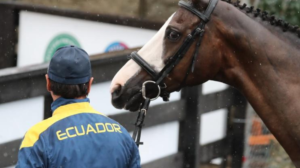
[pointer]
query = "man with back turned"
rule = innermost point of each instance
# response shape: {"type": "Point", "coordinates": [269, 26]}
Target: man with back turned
{"type": "Point", "coordinates": [76, 136]}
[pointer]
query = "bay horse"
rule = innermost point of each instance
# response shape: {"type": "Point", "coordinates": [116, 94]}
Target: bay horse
{"type": "Point", "coordinates": [246, 48]}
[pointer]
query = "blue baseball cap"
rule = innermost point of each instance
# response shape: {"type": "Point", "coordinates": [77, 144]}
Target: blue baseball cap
{"type": "Point", "coordinates": [70, 65]}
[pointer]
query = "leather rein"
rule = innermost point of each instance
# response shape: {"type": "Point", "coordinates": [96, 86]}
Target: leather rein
{"type": "Point", "coordinates": [157, 78]}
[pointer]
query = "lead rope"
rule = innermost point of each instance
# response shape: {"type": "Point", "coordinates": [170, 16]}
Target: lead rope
{"type": "Point", "coordinates": [136, 136]}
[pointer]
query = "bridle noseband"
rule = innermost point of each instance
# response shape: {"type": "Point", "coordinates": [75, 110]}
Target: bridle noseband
{"type": "Point", "coordinates": [157, 78]}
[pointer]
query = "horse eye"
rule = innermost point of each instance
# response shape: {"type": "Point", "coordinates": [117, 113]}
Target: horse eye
{"type": "Point", "coordinates": [173, 35]}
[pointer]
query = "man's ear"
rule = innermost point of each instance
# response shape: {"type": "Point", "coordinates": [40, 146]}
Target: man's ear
{"type": "Point", "coordinates": [48, 84]}
{"type": "Point", "coordinates": [90, 85]}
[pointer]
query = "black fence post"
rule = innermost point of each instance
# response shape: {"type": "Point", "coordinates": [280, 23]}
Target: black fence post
{"type": "Point", "coordinates": [47, 106]}
{"type": "Point", "coordinates": [228, 138]}
{"type": "Point", "coordinates": [238, 130]}
{"type": "Point", "coordinates": [189, 130]}
{"type": "Point", "coordinates": [8, 36]}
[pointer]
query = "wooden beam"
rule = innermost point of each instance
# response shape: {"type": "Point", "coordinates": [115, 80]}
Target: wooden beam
{"type": "Point", "coordinates": [118, 20]}
{"type": "Point", "coordinates": [28, 82]}
{"type": "Point", "coordinates": [212, 150]}
{"type": "Point", "coordinates": [156, 115]}
{"type": "Point", "coordinates": [218, 100]}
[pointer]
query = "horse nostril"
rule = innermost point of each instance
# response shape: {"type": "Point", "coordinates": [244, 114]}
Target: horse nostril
{"type": "Point", "coordinates": [117, 90]}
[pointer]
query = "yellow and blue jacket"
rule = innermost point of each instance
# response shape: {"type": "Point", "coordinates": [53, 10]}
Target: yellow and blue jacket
{"type": "Point", "coordinates": [77, 136]}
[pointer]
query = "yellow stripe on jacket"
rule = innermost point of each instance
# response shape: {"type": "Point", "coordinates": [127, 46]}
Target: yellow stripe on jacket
{"type": "Point", "coordinates": [33, 134]}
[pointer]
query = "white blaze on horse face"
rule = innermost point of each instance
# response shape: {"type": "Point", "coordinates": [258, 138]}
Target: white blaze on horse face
{"type": "Point", "coordinates": [151, 52]}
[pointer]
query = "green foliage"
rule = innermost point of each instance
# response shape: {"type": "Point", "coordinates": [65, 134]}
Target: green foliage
{"type": "Point", "coordinates": [288, 10]}
{"type": "Point", "coordinates": [278, 157]}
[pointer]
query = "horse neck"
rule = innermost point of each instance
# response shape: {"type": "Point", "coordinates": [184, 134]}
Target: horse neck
{"type": "Point", "coordinates": [264, 64]}
{"type": "Point", "coordinates": [256, 55]}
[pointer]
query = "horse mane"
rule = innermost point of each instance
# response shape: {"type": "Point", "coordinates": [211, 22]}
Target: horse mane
{"type": "Point", "coordinates": [266, 17]}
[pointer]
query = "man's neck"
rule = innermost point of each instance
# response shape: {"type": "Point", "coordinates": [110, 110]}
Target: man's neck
{"type": "Point", "coordinates": [55, 97]}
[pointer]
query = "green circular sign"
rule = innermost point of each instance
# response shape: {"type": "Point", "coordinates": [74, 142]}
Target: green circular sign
{"type": "Point", "coordinates": [58, 41]}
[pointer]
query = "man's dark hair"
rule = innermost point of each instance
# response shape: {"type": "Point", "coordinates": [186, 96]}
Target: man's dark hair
{"type": "Point", "coordinates": [69, 91]}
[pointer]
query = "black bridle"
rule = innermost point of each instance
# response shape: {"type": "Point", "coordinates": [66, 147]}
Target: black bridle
{"type": "Point", "coordinates": [157, 78]}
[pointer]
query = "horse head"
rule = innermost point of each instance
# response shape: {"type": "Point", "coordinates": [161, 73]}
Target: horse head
{"type": "Point", "coordinates": [246, 48]}
{"type": "Point", "coordinates": [127, 83]}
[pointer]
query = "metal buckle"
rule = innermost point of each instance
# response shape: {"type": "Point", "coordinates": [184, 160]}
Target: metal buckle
{"type": "Point", "coordinates": [164, 86]}
{"type": "Point", "coordinates": [199, 30]}
{"type": "Point", "coordinates": [144, 111]}
{"type": "Point", "coordinates": [144, 90]}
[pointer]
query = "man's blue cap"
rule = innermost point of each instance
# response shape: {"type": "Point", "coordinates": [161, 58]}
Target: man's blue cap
{"type": "Point", "coordinates": [70, 65]}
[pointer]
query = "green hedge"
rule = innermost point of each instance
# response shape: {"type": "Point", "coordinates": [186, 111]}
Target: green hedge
{"type": "Point", "coordinates": [288, 10]}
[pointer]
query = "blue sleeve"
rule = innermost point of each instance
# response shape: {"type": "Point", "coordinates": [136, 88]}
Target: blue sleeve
{"type": "Point", "coordinates": [32, 157]}
{"type": "Point", "coordinates": [135, 159]}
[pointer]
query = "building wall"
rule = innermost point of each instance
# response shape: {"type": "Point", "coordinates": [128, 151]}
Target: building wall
{"type": "Point", "coordinates": [158, 10]}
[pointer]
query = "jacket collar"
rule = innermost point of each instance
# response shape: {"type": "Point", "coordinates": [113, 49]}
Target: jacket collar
{"type": "Point", "coordinates": [63, 101]}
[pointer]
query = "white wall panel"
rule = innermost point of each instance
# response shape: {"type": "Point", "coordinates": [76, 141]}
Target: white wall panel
{"type": "Point", "coordinates": [18, 116]}
{"type": "Point", "coordinates": [213, 126]}
{"type": "Point", "coordinates": [213, 86]}
{"type": "Point", "coordinates": [101, 100]}
{"type": "Point", "coordinates": [37, 30]}
{"type": "Point", "coordinates": [159, 141]}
